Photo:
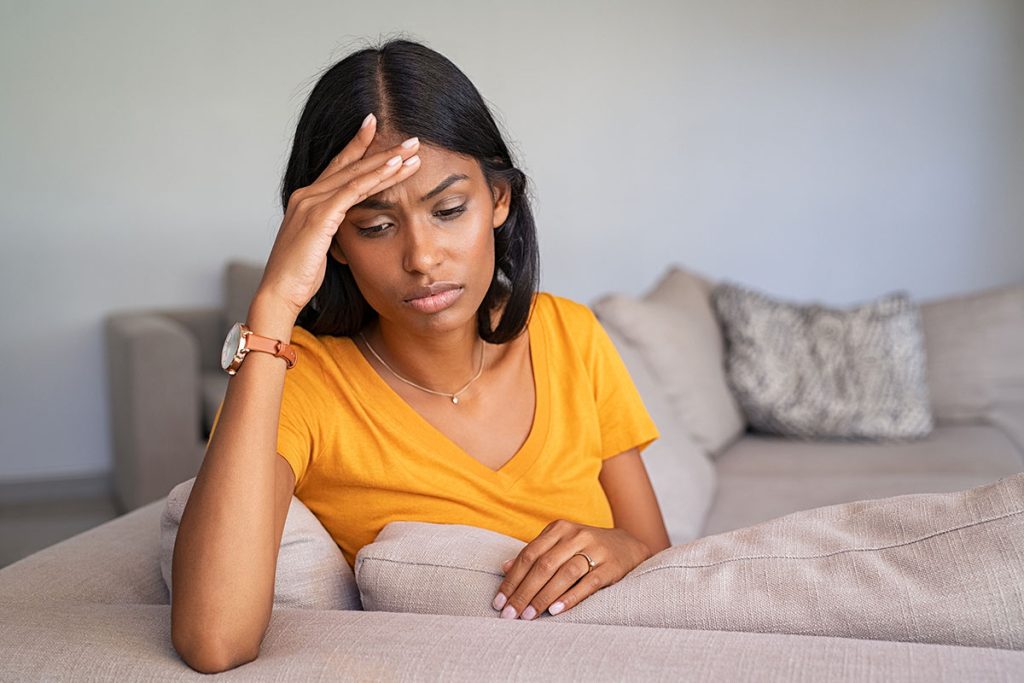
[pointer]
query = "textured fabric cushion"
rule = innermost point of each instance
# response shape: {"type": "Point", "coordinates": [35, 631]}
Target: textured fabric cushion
{"type": "Point", "coordinates": [929, 568]}
{"type": "Point", "coordinates": [809, 371]}
{"type": "Point", "coordinates": [116, 562]}
{"type": "Point", "coordinates": [682, 477]}
{"type": "Point", "coordinates": [761, 477]}
{"type": "Point", "coordinates": [311, 571]}
{"type": "Point", "coordinates": [132, 643]}
{"type": "Point", "coordinates": [975, 352]}
{"type": "Point", "coordinates": [678, 337]}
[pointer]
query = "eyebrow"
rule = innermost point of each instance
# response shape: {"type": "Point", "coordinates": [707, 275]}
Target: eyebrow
{"type": "Point", "coordinates": [381, 205]}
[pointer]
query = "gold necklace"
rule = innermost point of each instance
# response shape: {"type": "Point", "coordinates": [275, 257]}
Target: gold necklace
{"type": "Point", "coordinates": [454, 397]}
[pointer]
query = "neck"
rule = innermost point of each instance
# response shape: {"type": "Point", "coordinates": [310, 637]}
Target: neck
{"type": "Point", "coordinates": [442, 362]}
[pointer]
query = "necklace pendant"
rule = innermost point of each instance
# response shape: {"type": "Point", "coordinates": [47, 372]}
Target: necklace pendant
{"type": "Point", "coordinates": [455, 400]}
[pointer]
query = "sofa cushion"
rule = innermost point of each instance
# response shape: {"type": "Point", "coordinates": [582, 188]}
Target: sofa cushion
{"type": "Point", "coordinates": [117, 562]}
{"type": "Point", "coordinates": [132, 643]}
{"type": "Point", "coordinates": [682, 477]}
{"type": "Point", "coordinates": [311, 571]}
{"type": "Point", "coordinates": [975, 352]}
{"type": "Point", "coordinates": [761, 477]}
{"type": "Point", "coordinates": [929, 568]}
{"type": "Point", "coordinates": [678, 337]}
{"type": "Point", "coordinates": [815, 372]}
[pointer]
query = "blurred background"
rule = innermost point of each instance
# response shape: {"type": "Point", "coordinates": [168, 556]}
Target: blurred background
{"type": "Point", "coordinates": [818, 151]}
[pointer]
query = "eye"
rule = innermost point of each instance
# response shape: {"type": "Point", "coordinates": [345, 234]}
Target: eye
{"type": "Point", "coordinates": [373, 230]}
{"type": "Point", "coordinates": [444, 214]}
{"type": "Point", "coordinates": [448, 214]}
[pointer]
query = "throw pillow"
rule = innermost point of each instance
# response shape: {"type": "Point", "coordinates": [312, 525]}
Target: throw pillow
{"type": "Point", "coordinates": [681, 344]}
{"type": "Point", "coordinates": [311, 571]}
{"type": "Point", "coordinates": [682, 477]}
{"type": "Point", "coordinates": [811, 372]}
{"type": "Point", "coordinates": [929, 568]}
{"type": "Point", "coordinates": [974, 347]}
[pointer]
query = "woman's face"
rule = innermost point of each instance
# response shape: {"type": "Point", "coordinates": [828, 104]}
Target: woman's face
{"type": "Point", "coordinates": [435, 226]}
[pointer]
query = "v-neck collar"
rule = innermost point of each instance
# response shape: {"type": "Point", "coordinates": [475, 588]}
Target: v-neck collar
{"type": "Point", "coordinates": [403, 416]}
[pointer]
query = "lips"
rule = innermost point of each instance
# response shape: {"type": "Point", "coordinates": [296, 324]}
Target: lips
{"type": "Point", "coordinates": [430, 290]}
{"type": "Point", "coordinates": [435, 303]}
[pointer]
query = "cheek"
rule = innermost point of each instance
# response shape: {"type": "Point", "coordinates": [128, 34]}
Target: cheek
{"type": "Point", "coordinates": [479, 249]}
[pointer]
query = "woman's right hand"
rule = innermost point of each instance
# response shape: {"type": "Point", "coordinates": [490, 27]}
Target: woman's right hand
{"type": "Point", "coordinates": [298, 260]}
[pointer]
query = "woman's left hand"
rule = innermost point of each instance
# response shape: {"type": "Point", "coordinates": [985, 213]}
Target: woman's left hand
{"type": "Point", "coordinates": [547, 575]}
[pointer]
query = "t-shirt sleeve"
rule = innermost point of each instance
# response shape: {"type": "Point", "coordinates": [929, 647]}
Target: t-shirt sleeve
{"type": "Point", "coordinates": [297, 423]}
{"type": "Point", "coordinates": [625, 422]}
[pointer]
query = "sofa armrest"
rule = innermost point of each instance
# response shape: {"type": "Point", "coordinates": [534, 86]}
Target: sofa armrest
{"type": "Point", "coordinates": [209, 327]}
{"type": "Point", "coordinates": [153, 365]}
{"type": "Point", "coordinates": [117, 562]}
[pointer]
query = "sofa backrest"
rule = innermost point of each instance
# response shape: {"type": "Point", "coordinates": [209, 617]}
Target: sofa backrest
{"type": "Point", "coordinates": [241, 279]}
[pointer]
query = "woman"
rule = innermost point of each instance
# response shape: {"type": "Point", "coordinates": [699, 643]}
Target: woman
{"type": "Point", "coordinates": [431, 380]}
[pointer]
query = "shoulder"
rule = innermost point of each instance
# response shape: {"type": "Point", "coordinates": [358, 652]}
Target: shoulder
{"type": "Point", "coordinates": [564, 312]}
{"type": "Point", "coordinates": [314, 353]}
{"type": "Point", "coordinates": [571, 325]}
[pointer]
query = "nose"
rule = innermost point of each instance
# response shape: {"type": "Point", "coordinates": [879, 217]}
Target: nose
{"type": "Point", "coordinates": [423, 251]}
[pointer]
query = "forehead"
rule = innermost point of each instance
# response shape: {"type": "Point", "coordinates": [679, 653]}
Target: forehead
{"type": "Point", "coordinates": [436, 164]}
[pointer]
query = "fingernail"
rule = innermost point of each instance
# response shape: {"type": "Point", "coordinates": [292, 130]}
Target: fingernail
{"type": "Point", "coordinates": [410, 143]}
{"type": "Point", "coordinates": [366, 121]}
{"type": "Point", "coordinates": [414, 159]}
{"type": "Point", "coordinates": [505, 564]}
{"type": "Point", "coordinates": [499, 601]}
{"type": "Point", "coordinates": [556, 607]}
{"type": "Point", "coordinates": [393, 161]}
{"type": "Point", "coordinates": [509, 612]}
{"type": "Point", "coordinates": [529, 613]}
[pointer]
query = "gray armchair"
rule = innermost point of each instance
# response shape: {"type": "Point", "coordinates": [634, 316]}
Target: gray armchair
{"type": "Point", "coordinates": [165, 384]}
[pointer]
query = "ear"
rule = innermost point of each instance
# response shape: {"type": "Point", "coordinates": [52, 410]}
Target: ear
{"type": "Point", "coordinates": [337, 253]}
{"type": "Point", "coordinates": [502, 193]}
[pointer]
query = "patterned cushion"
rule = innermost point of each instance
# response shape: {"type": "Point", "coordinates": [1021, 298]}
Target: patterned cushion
{"type": "Point", "coordinates": [926, 567]}
{"type": "Point", "coordinates": [810, 372]}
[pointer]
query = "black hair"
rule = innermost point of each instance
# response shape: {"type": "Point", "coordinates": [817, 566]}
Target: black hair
{"type": "Point", "coordinates": [413, 91]}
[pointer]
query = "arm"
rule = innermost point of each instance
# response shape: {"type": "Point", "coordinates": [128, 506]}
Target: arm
{"type": "Point", "coordinates": [631, 496]}
{"type": "Point", "coordinates": [225, 555]}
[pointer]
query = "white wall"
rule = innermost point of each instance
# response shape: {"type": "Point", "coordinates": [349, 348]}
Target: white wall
{"type": "Point", "coordinates": [833, 151]}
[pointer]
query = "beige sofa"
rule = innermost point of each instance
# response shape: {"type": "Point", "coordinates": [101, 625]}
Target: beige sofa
{"type": "Point", "coordinates": [790, 560]}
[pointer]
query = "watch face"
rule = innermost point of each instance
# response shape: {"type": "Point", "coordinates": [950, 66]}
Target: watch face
{"type": "Point", "coordinates": [227, 354]}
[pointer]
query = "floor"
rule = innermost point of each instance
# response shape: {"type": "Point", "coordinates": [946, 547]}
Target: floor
{"type": "Point", "coordinates": [30, 526]}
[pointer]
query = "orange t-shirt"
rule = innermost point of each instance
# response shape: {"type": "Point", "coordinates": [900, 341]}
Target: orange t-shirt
{"type": "Point", "coordinates": [363, 457]}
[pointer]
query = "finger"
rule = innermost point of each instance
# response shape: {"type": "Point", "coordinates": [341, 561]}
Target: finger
{"type": "Point", "coordinates": [326, 184]}
{"type": "Point", "coordinates": [520, 570]}
{"type": "Point", "coordinates": [564, 579]}
{"type": "Point", "coordinates": [369, 164]}
{"type": "Point", "coordinates": [369, 183]}
{"type": "Point", "coordinates": [540, 574]}
{"type": "Point", "coordinates": [355, 148]}
{"type": "Point", "coordinates": [584, 587]}
{"type": "Point", "coordinates": [347, 168]}
{"type": "Point", "coordinates": [330, 208]}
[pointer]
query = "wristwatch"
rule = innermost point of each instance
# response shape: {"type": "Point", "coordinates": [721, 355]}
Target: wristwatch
{"type": "Point", "coordinates": [241, 340]}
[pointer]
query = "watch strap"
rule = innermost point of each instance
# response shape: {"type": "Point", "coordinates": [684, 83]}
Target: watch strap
{"type": "Point", "coordinates": [256, 342]}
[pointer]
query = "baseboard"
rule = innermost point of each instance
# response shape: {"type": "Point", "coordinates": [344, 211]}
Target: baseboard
{"type": "Point", "coordinates": [55, 489]}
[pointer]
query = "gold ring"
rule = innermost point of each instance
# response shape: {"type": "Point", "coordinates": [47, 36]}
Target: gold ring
{"type": "Point", "coordinates": [590, 563]}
